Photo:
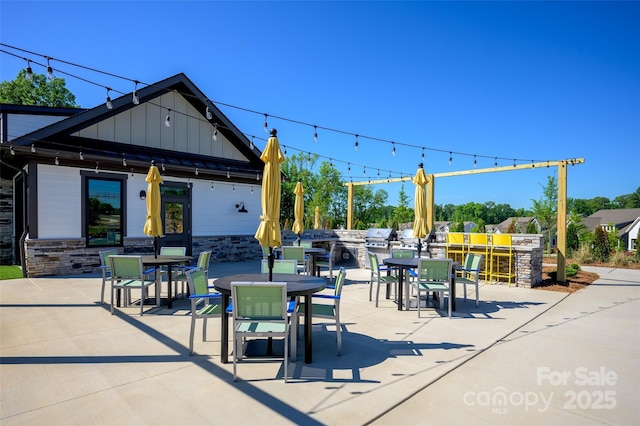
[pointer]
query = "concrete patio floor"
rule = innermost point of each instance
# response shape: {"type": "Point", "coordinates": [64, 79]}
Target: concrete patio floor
{"type": "Point", "coordinates": [522, 357]}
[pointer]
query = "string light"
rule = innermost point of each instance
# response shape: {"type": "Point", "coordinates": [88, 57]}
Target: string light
{"type": "Point", "coordinates": [533, 166]}
{"type": "Point", "coordinates": [134, 98]}
{"type": "Point", "coordinates": [422, 155]}
{"type": "Point", "coordinates": [215, 131]}
{"type": "Point", "coordinates": [124, 161]}
{"type": "Point", "coordinates": [97, 167]}
{"type": "Point", "coordinates": [257, 176]}
{"type": "Point", "coordinates": [251, 144]}
{"type": "Point", "coordinates": [11, 150]}
{"type": "Point", "coordinates": [349, 168]}
{"type": "Point", "coordinates": [208, 113]}
{"type": "Point", "coordinates": [33, 148]}
{"type": "Point", "coordinates": [162, 165]}
{"type": "Point", "coordinates": [80, 155]}
{"type": "Point", "coordinates": [49, 69]}
{"type": "Point", "coordinates": [315, 134]}
{"type": "Point", "coordinates": [356, 146]}
{"type": "Point", "coordinates": [167, 121]}
{"type": "Point", "coordinates": [197, 172]}
{"type": "Point", "coordinates": [132, 176]}
{"type": "Point", "coordinates": [266, 126]}
{"type": "Point", "coordinates": [450, 157]}
{"type": "Point", "coordinates": [109, 103]}
{"type": "Point", "coordinates": [495, 162]}
{"type": "Point", "coordinates": [212, 185]}
{"type": "Point", "coordinates": [57, 161]}
{"type": "Point", "coordinates": [514, 162]}
{"type": "Point", "coordinates": [228, 174]}
{"type": "Point", "coordinates": [393, 149]}
{"type": "Point", "coordinates": [475, 162]}
{"type": "Point", "coordinates": [29, 74]}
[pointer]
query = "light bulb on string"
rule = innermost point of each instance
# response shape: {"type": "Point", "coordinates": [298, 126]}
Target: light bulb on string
{"type": "Point", "coordinates": [132, 176]}
{"type": "Point", "coordinates": [495, 162]}
{"type": "Point", "coordinates": [167, 120]}
{"type": "Point", "coordinates": [349, 168]}
{"type": "Point", "coordinates": [162, 165]}
{"type": "Point", "coordinates": [29, 72]}
{"type": "Point", "coordinates": [257, 176]}
{"type": "Point", "coordinates": [80, 155]}
{"type": "Point", "coordinates": [364, 170]}
{"type": "Point", "coordinates": [228, 174]}
{"type": "Point", "coordinates": [514, 162]}
{"type": "Point", "coordinates": [215, 131]}
{"type": "Point", "coordinates": [393, 150]}
{"type": "Point", "coordinates": [57, 161]}
{"type": "Point", "coordinates": [208, 113]}
{"type": "Point", "coordinates": [109, 103]}
{"type": "Point", "coordinates": [233, 187]}
{"type": "Point", "coordinates": [11, 150]}
{"type": "Point", "coordinates": [422, 155]}
{"type": "Point", "coordinates": [533, 166]}
{"type": "Point", "coordinates": [97, 167]}
{"type": "Point", "coordinates": [266, 125]}
{"type": "Point", "coordinates": [450, 157]}
{"type": "Point", "coordinates": [315, 134]}
{"type": "Point", "coordinates": [33, 148]}
{"type": "Point", "coordinates": [378, 173]}
{"type": "Point", "coordinates": [475, 162]}
{"type": "Point", "coordinates": [356, 144]}
{"type": "Point", "coordinates": [124, 161]}
{"type": "Point", "coordinates": [49, 69]}
{"type": "Point", "coordinates": [251, 143]}
{"type": "Point", "coordinates": [212, 185]}
{"type": "Point", "coordinates": [252, 189]}
{"type": "Point", "coordinates": [134, 98]}
{"type": "Point", "coordinates": [197, 172]}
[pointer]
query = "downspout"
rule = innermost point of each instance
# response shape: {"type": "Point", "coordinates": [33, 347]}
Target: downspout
{"type": "Point", "coordinates": [25, 213]}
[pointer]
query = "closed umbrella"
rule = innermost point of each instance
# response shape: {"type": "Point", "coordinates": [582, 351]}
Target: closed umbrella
{"type": "Point", "coordinates": [298, 211]}
{"type": "Point", "coordinates": [268, 233]}
{"type": "Point", "coordinates": [153, 224]}
{"type": "Point", "coordinates": [316, 224]}
{"type": "Point", "coordinates": [420, 227]}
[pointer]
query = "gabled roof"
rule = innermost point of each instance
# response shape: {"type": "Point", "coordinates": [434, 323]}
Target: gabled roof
{"type": "Point", "coordinates": [620, 218]}
{"type": "Point", "coordinates": [58, 139]}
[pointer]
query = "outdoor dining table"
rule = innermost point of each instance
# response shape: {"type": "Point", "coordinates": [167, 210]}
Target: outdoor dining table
{"type": "Point", "coordinates": [169, 262]}
{"type": "Point", "coordinates": [412, 262]}
{"type": "Point", "coordinates": [297, 285]}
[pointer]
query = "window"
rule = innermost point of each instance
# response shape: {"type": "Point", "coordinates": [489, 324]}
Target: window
{"type": "Point", "coordinates": [103, 206]}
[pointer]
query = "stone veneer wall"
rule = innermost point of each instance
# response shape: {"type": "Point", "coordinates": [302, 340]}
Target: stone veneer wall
{"type": "Point", "coordinates": [71, 257]}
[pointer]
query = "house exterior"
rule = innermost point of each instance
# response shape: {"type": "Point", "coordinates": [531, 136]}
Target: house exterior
{"type": "Point", "coordinates": [73, 180]}
{"type": "Point", "coordinates": [445, 226]}
{"type": "Point", "coordinates": [625, 221]}
{"type": "Point", "coordinates": [521, 225]}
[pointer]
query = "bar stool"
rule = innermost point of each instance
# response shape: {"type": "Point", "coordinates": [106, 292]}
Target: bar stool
{"type": "Point", "coordinates": [502, 262]}
{"type": "Point", "coordinates": [456, 248]}
{"type": "Point", "coordinates": [479, 244]}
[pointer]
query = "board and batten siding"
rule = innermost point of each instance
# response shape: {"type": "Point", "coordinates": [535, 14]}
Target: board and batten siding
{"type": "Point", "coordinates": [144, 125]}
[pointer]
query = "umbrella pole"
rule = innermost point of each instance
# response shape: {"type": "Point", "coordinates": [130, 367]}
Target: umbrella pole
{"type": "Point", "coordinates": [155, 247]}
{"type": "Point", "coordinates": [270, 263]}
{"type": "Point", "coordinates": [419, 247]}
{"type": "Point", "coordinates": [299, 239]}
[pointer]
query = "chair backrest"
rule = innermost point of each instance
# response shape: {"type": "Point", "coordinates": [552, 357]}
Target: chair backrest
{"type": "Point", "coordinates": [197, 280]}
{"type": "Point", "coordinates": [476, 239]}
{"type": "Point", "coordinates": [438, 270]}
{"type": "Point", "coordinates": [126, 267]}
{"type": "Point", "coordinates": [342, 273]}
{"type": "Point", "coordinates": [333, 249]}
{"type": "Point", "coordinates": [293, 253]}
{"type": "Point", "coordinates": [173, 251]}
{"type": "Point", "coordinates": [472, 262]}
{"type": "Point", "coordinates": [402, 253]}
{"type": "Point", "coordinates": [306, 243]}
{"type": "Point", "coordinates": [375, 266]}
{"type": "Point", "coordinates": [265, 252]}
{"type": "Point", "coordinates": [203, 260]}
{"type": "Point", "coordinates": [280, 266]}
{"type": "Point", "coordinates": [104, 257]}
{"type": "Point", "coordinates": [501, 240]}
{"type": "Point", "coordinates": [263, 301]}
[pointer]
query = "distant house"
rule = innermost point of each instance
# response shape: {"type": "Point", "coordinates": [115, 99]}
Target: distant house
{"type": "Point", "coordinates": [445, 226]}
{"type": "Point", "coordinates": [625, 221]}
{"type": "Point", "coordinates": [521, 225]}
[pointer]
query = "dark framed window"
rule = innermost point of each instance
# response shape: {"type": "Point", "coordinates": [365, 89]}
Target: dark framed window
{"type": "Point", "coordinates": [103, 208]}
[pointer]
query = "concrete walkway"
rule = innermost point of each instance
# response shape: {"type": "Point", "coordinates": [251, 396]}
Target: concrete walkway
{"type": "Point", "coordinates": [67, 361]}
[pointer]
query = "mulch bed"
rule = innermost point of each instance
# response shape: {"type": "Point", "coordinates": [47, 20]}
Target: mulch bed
{"type": "Point", "coordinates": [573, 284]}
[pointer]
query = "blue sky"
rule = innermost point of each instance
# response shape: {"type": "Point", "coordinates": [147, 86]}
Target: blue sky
{"type": "Point", "coordinates": [526, 80]}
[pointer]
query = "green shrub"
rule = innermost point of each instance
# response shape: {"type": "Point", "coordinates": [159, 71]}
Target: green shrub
{"type": "Point", "coordinates": [601, 247]}
{"type": "Point", "coordinates": [573, 269]}
{"type": "Point", "coordinates": [583, 254]}
{"type": "Point", "coordinates": [619, 258]}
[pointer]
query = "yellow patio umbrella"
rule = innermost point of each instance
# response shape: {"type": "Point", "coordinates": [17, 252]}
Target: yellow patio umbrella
{"type": "Point", "coordinates": [298, 211]}
{"type": "Point", "coordinates": [420, 227]}
{"type": "Point", "coordinates": [153, 224]}
{"type": "Point", "coordinates": [316, 223]}
{"type": "Point", "coordinates": [268, 233]}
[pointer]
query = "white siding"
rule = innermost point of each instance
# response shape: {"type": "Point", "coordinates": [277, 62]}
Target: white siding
{"type": "Point", "coordinates": [215, 213]}
{"type": "Point", "coordinates": [136, 208]}
{"type": "Point", "coordinates": [59, 202]}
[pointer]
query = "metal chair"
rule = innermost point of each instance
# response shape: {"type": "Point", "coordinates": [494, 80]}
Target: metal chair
{"type": "Point", "coordinates": [470, 273]}
{"type": "Point", "coordinates": [434, 275]}
{"type": "Point", "coordinates": [201, 306]}
{"type": "Point", "coordinates": [203, 263]}
{"type": "Point", "coordinates": [479, 244]}
{"type": "Point", "coordinates": [321, 310]}
{"type": "Point", "coordinates": [259, 311]}
{"type": "Point", "coordinates": [105, 268]}
{"type": "Point", "coordinates": [326, 261]}
{"type": "Point", "coordinates": [295, 253]}
{"type": "Point", "coordinates": [378, 278]}
{"type": "Point", "coordinates": [456, 246]}
{"type": "Point", "coordinates": [127, 273]}
{"type": "Point", "coordinates": [280, 266]}
{"type": "Point", "coordinates": [501, 262]}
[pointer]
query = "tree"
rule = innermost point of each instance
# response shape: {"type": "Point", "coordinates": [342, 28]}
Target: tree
{"type": "Point", "coordinates": [546, 209]}
{"type": "Point", "coordinates": [601, 248]}
{"type": "Point", "coordinates": [403, 213]}
{"type": "Point", "coordinates": [38, 92]}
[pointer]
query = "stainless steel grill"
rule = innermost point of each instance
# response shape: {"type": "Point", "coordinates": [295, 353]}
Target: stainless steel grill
{"type": "Point", "coordinates": [407, 240]}
{"type": "Point", "coordinates": [377, 241]}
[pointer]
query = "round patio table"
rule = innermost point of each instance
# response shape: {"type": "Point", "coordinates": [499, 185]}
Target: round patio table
{"type": "Point", "coordinates": [169, 262]}
{"type": "Point", "coordinates": [297, 285]}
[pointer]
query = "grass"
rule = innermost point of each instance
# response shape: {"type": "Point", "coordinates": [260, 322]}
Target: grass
{"type": "Point", "coordinates": [10, 272]}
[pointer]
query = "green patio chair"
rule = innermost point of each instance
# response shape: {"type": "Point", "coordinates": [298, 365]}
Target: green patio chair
{"type": "Point", "coordinates": [203, 263]}
{"type": "Point", "coordinates": [378, 278]}
{"type": "Point", "coordinates": [296, 253]}
{"type": "Point", "coordinates": [201, 302]}
{"type": "Point", "coordinates": [105, 268]}
{"type": "Point", "coordinates": [470, 273]}
{"type": "Point", "coordinates": [321, 310]}
{"type": "Point", "coordinates": [434, 275]}
{"type": "Point", "coordinates": [259, 311]}
{"type": "Point", "coordinates": [280, 266]}
{"type": "Point", "coordinates": [127, 273]}
{"type": "Point", "coordinates": [326, 261]}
